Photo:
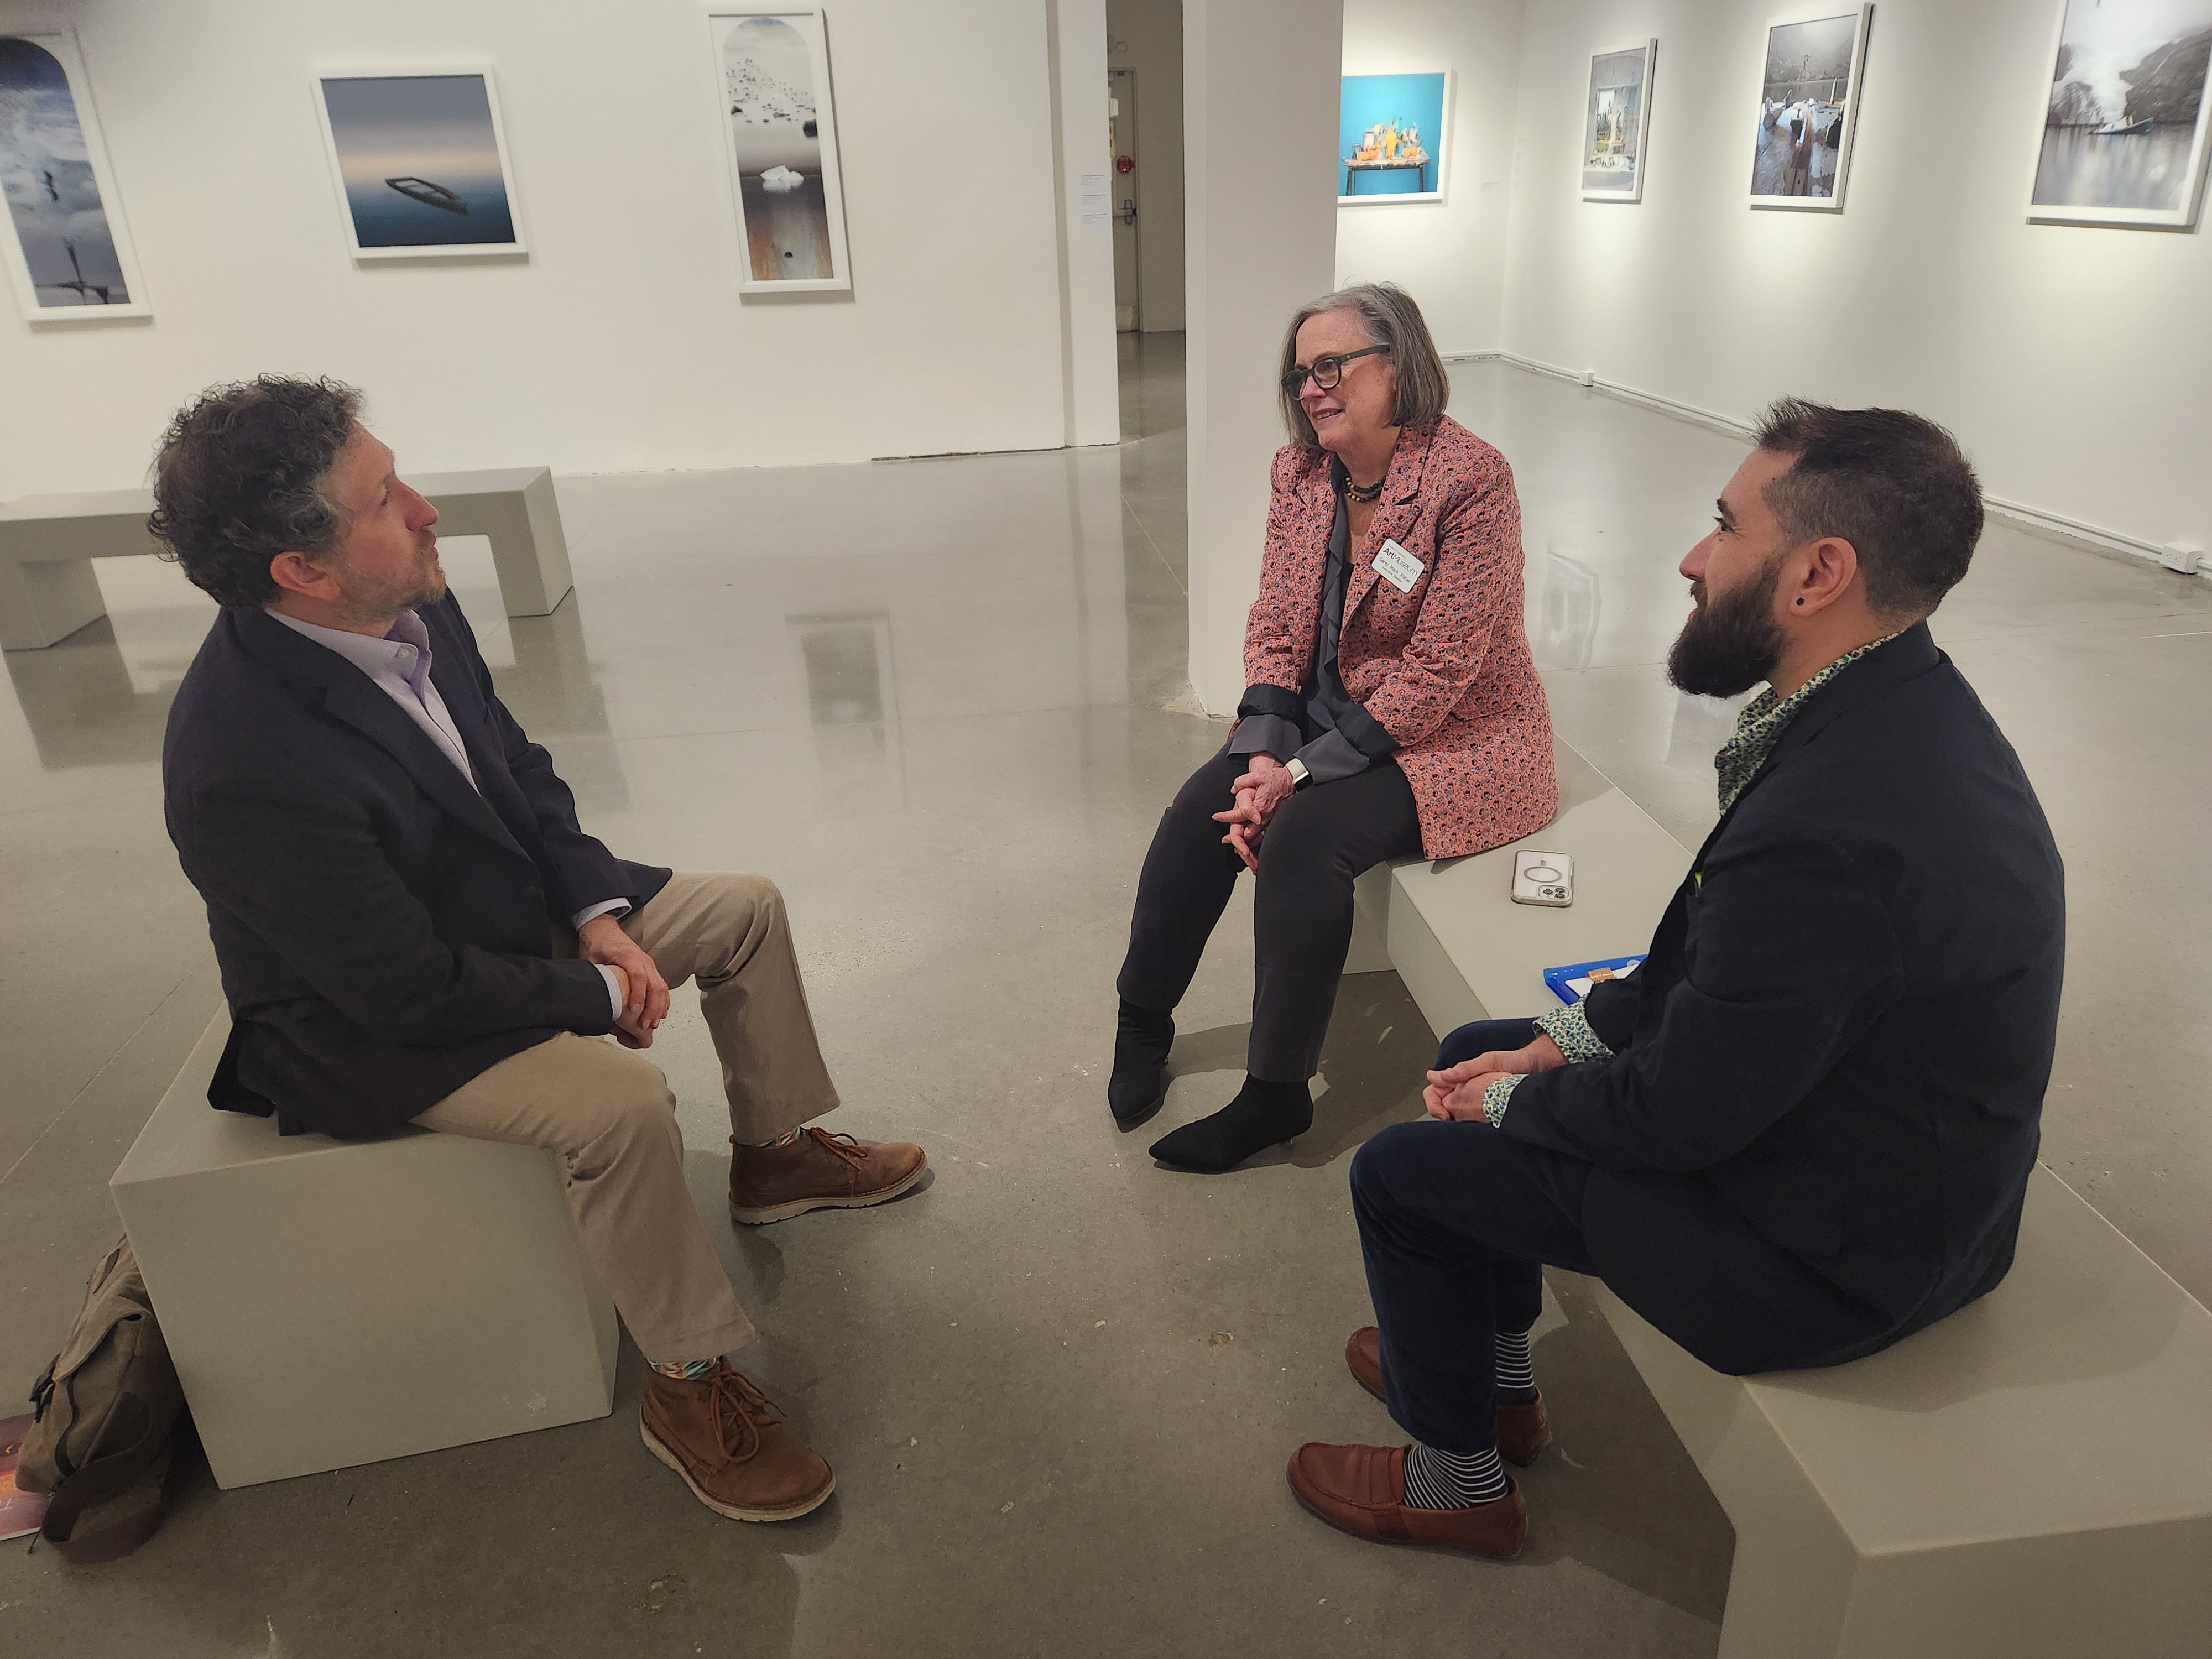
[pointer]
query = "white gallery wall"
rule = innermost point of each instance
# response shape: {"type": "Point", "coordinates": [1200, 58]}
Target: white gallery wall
{"type": "Point", "coordinates": [621, 343]}
{"type": "Point", "coordinates": [1450, 255]}
{"type": "Point", "coordinates": [2073, 361]}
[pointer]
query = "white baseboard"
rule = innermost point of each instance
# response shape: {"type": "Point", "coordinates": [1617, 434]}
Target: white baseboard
{"type": "Point", "coordinates": [2055, 525]}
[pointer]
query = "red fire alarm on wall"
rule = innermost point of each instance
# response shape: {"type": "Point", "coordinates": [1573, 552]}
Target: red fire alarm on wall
{"type": "Point", "coordinates": [1124, 164]}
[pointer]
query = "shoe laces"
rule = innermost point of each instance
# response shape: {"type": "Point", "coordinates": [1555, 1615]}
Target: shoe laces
{"type": "Point", "coordinates": [843, 1146]}
{"type": "Point", "coordinates": [740, 1412]}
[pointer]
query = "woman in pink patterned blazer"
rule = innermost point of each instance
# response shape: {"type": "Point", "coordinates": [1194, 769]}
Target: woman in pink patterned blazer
{"type": "Point", "coordinates": [1393, 708]}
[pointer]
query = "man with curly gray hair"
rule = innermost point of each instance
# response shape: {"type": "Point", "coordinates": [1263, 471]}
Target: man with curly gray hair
{"type": "Point", "coordinates": [413, 927]}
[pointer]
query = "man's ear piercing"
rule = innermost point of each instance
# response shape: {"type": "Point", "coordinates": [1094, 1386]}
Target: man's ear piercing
{"type": "Point", "coordinates": [1798, 602]}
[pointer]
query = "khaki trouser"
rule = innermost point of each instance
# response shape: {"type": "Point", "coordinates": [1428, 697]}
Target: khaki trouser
{"type": "Point", "coordinates": [608, 1112]}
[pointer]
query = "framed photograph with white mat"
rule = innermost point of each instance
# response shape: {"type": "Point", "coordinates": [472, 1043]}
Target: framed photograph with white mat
{"type": "Point", "coordinates": [1392, 140]}
{"type": "Point", "coordinates": [67, 250]}
{"type": "Point", "coordinates": [420, 160]}
{"type": "Point", "coordinates": [779, 123]}
{"type": "Point", "coordinates": [2125, 130]}
{"type": "Point", "coordinates": [1808, 108]}
{"type": "Point", "coordinates": [1614, 122]}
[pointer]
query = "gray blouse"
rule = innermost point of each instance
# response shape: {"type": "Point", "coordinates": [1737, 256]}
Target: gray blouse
{"type": "Point", "coordinates": [1333, 734]}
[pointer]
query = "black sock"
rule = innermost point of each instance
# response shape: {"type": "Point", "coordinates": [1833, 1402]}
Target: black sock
{"type": "Point", "coordinates": [1262, 1115]}
{"type": "Point", "coordinates": [1142, 1038]}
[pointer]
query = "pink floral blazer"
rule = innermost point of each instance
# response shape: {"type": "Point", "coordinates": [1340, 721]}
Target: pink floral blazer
{"type": "Point", "coordinates": [1446, 668]}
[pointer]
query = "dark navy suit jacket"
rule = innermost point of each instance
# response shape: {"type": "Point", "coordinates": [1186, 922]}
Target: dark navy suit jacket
{"type": "Point", "coordinates": [1817, 1131]}
{"type": "Point", "coordinates": [384, 932]}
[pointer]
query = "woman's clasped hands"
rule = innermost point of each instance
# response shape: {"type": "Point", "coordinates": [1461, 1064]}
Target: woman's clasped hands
{"type": "Point", "coordinates": [1257, 794]}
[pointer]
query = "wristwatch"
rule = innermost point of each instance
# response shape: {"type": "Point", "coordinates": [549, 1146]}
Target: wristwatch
{"type": "Point", "coordinates": [1300, 776]}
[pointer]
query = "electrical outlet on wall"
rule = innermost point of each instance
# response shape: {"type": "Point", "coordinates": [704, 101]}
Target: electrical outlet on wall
{"type": "Point", "coordinates": [2186, 556]}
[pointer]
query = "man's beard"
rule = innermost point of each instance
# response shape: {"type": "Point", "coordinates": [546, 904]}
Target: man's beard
{"type": "Point", "coordinates": [1730, 643]}
{"type": "Point", "coordinates": [387, 600]}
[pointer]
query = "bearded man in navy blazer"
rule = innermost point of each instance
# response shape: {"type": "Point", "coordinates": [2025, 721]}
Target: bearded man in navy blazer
{"type": "Point", "coordinates": [1803, 1130]}
{"type": "Point", "coordinates": [412, 926]}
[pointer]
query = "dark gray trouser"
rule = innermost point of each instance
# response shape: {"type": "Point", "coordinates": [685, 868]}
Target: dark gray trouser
{"type": "Point", "coordinates": [1321, 840]}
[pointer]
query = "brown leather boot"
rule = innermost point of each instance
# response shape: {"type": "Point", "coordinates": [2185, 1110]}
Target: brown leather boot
{"type": "Point", "coordinates": [731, 1446]}
{"type": "Point", "coordinates": [1523, 1431]}
{"type": "Point", "coordinates": [818, 1171]}
{"type": "Point", "coordinates": [1361, 1490]}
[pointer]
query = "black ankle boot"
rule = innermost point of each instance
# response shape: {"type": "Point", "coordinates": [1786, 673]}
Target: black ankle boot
{"type": "Point", "coordinates": [1263, 1115]}
{"type": "Point", "coordinates": [1142, 1038]}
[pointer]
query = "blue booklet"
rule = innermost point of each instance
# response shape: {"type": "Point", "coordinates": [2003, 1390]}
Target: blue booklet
{"type": "Point", "coordinates": [1572, 983]}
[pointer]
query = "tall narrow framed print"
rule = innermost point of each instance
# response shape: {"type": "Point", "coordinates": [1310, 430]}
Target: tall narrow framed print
{"type": "Point", "coordinates": [1613, 124]}
{"type": "Point", "coordinates": [1808, 107]}
{"type": "Point", "coordinates": [421, 163]}
{"type": "Point", "coordinates": [779, 142]}
{"type": "Point", "coordinates": [67, 249]}
{"type": "Point", "coordinates": [2124, 133]}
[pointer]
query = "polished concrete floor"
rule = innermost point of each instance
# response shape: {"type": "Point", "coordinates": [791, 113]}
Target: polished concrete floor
{"type": "Point", "coordinates": [943, 702]}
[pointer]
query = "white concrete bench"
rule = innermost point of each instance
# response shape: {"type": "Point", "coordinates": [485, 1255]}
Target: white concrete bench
{"type": "Point", "coordinates": [48, 543]}
{"type": "Point", "coordinates": [2030, 1477]}
{"type": "Point", "coordinates": [330, 1303]}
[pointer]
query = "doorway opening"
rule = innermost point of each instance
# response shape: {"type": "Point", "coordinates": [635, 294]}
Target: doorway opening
{"type": "Point", "coordinates": [1143, 104]}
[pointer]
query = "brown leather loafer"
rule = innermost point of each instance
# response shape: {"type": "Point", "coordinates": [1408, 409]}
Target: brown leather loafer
{"type": "Point", "coordinates": [1523, 1431]}
{"type": "Point", "coordinates": [1361, 1490]}
{"type": "Point", "coordinates": [731, 1446]}
{"type": "Point", "coordinates": [819, 1171]}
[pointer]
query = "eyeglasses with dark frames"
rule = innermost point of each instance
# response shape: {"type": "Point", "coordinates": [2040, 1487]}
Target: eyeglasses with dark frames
{"type": "Point", "coordinates": [1326, 372]}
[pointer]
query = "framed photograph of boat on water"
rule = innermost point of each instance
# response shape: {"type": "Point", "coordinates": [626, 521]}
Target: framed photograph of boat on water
{"type": "Point", "coordinates": [67, 250]}
{"type": "Point", "coordinates": [779, 125]}
{"type": "Point", "coordinates": [421, 163]}
{"type": "Point", "coordinates": [1613, 123]}
{"type": "Point", "coordinates": [2124, 133]}
{"type": "Point", "coordinates": [1808, 107]}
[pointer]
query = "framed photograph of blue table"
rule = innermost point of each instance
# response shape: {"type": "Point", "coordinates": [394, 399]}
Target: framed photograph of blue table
{"type": "Point", "coordinates": [1391, 137]}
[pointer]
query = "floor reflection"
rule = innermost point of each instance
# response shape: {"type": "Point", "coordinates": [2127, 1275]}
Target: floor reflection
{"type": "Point", "coordinates": [1568, 604]}
{"type": "Point", "coordinates": [852, 697]}
{"type": "Point", "coordinates": [82, 705]}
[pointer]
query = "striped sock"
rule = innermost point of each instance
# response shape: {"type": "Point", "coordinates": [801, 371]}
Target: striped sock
{"type": "Point", "coordinates": [780, 1140]}
{"type": "Point", "coordinates": [1446, 1480]}
{"type": "Point", "coordinates": [690, 1370]}
{"type": "Point", "coordinates": [1517, 1381]}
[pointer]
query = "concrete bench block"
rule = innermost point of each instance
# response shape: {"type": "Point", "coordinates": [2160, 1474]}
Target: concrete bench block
{"type": "Point", "coordinates": [1467, 951]}
{"type": "Point", "coordinates": [2030, 1477]}
{"type": "Point", "coordinates": [47, 544]}
{"type": "Point", "coordinates": [332, 1303]}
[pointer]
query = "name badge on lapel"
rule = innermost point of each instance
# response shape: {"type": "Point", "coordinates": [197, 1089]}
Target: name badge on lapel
{"type": "Point", "coordinates": [1398, 567]}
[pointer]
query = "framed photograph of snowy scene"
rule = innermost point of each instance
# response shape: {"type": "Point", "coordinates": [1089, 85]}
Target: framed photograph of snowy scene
{"type": "Point", "coordinates": [67, 251]}
{"type": "Point", "coordinates": [779, 142]}
{"type": "Point", "coordinates": [2124, 132]}
{"type": "Point", "coordinates": [1808, 105]}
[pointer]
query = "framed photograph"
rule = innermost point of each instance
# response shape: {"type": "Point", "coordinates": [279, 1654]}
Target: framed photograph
{"type": "Point", "coordinates": [1391, 137]}
{"type": "Point", "coordinates": [779, 142]}
{"type": "Point", "coordinates": [1613, 124]}
{"type": "Point", "coordinates": [420, 160]}
{"type": "Point", "coordinates": [1809, 104]}
{"type": "Point", "coordinates": [2124, 132]}
{"type": "Point", "coordinates": [67, 250]}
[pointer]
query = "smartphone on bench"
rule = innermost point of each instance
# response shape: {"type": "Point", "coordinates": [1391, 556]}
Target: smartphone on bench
{"type": "Point", "coordinates": [1543, 878]}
